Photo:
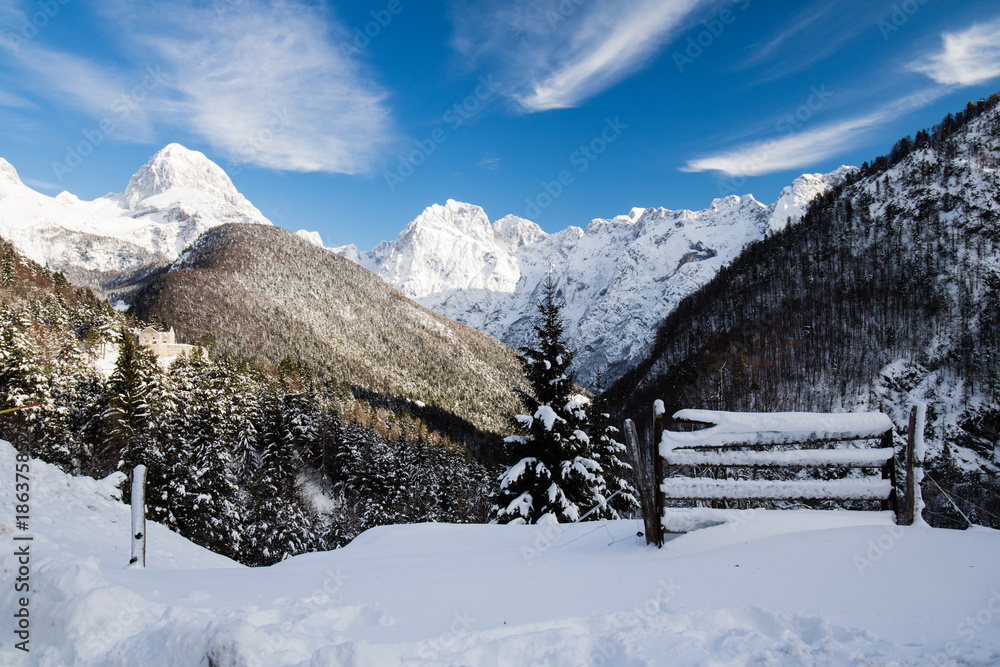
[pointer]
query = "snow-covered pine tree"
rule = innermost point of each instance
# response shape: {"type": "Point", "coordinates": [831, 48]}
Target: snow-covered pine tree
{"type": "Point", "coordinates": [277, 524]}
{"type": "Point", "coordinates": [554, 477]}
{"type": "Point", "coordinates": [611, 454]}
{"type": "Point", "coordinates": [211, 491]}
{"type": "Point", "coordinates": [128, 407]}
{"type": "Point", "coordinates": [21, 375]}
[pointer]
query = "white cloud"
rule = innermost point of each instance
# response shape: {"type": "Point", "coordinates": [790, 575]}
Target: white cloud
{"type": "Point", "coordinates": [268, 86]}
{"type": "Point", "coordinates": [558, 53]}
{"type": "Point", "coordinates": [262, 83]}
{"type": "Point", "coordinates": [805, 149]}
{"type": "Point", "coordinates": [104, 94]}
{"type": "Point", "coordinates": [41, 185]}
{"type": "Point", "coordinates": [966, 58]}
{"type": "Point", "coordinates": [15, 101]}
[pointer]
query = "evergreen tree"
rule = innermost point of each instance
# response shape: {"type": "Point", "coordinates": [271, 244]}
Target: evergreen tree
{"type": "Point", "coordinates": [21, 376]}
{"type": "Point", "coordinates": [554, 477]}
{"type": "Point", "coordinates": [610, 453]}
{"type": "Point", "coordinates": [211, 492]}
{"type": "Point", "coordinates": [277, 524]}
{"type": "Point", "coordinates": [128, 407]}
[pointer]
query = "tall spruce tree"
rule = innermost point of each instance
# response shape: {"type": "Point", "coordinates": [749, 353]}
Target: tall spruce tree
{"type": "Point", "coordinates": [554, 477]}
{"type": "Point", "coordinates": [128, 407]}
{"type": "Point", "coordinates": [610, 453]}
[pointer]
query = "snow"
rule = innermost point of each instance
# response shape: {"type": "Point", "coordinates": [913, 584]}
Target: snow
{"type": "Point", "coordinates": [168, 203]}
{"type": "Point", "coordinates": [312, 237]}
{"type": "Point", "coordinates": [519, 469]}
{"type": "Point", "coordinates": [751, 587]}
{"type": "Point", "coordinates": [869, 488]}
{"type": "Point", "coordinates": [548, 416]}
{"type": "Point", "coordinates": [620, 277]}
{"type": "Point", "coordinates": [854, 458]}
{"type": "Point", "coordinates": [919, 455]}
{"type": "Point", "coordinates": [772, 428]}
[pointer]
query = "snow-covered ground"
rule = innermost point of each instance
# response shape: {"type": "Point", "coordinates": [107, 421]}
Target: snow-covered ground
{"type": "Point", "coordinates": [744, 588]}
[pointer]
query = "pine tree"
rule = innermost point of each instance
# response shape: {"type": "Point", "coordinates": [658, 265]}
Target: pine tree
{"type": "Point", "coordinates": [277, 525]}
{"type": "Point", "coordinates": [22, 379]}
{"type": "Point", "coordinates": [554, 477]}
{"type": "Point", "coordinates": [211, 490]}
{"type": "Point", "coordinates": [128, 407]}
{"type": "Point", "coordinates": [609, 452]}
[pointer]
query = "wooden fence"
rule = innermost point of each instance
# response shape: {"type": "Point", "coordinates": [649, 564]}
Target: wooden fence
{"type": "Point", "coordinates": [769, 446]}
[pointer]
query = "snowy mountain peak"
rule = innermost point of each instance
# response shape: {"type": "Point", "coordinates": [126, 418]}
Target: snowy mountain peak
{"type": "Point", "coordinates": [169, 202]}
{"type": "Point", "coordinates": [8, 175]}
{"type": "Point", "coordinates": [514, 232]}
{"type": "Point", "coordinates": [795, 198]}
{"type": "Point", "coordinates": [466, 219]}
{"type": "Point", "coordinates": [177, 167]}
{"type": "Point", "coordinates": [620, 277]}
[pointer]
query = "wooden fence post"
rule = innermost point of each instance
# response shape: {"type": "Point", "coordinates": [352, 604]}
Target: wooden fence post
{"type": "Point", "coordinates": [908, 510]}
{"type": "Point", "coordinates": [889, 472]}
{"type": "Point", "coordinates": [657, 475]}
{"type": "Point", "coordinates": [652, 523]}
{"type": "Point", "coordinates": [138, 559]}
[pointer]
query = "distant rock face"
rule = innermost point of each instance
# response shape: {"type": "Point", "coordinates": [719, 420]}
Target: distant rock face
{"type": "Point", "coordinates": [117, 239]}
{"type": "Point", "coordinates": [182, 180]}
{"type": "Point", "coordinates": [619, 277]}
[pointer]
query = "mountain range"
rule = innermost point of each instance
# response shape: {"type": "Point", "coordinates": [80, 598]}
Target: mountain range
{"type": "Point", "coordinates": [618, 277]}
{"type": "Point", "coordinates": [263, 292]}
{"type": "Point", "coordinates": [116, 241]}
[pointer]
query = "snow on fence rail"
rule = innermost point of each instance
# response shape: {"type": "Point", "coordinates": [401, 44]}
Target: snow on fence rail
{"type": "Point", "coordinates": [705, 438]}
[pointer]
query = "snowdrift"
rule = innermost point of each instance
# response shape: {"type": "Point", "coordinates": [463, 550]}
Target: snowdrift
{"type": "Point", "coordinates": [751, 587]}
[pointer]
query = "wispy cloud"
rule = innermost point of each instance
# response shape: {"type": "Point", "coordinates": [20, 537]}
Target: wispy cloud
{"type": "Point", "coordinates": [966, 58]}
{"type": "Point", "coordinates": [98, 91]}
{"type": "Point", "coordinates": [262, 83]}
{"type": "Point", "coordinates": [804, 149]}
{"type": "Point", "coordinates": [797, 25]}
{"type": "Point", "coordinates": [15, 101]}
{"type": "Point", "coordinates": [41, 185]}
{"type": "Point", "coordinates": [490, 162]}
{"type": "Point", "coordinates": [814, 33]}
{"type": "Point", "coordinates": [557, 58]}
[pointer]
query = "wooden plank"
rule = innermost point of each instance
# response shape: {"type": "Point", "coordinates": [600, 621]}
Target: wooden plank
{"type": "Point", "coordinates": [868, 488]}
{"type": "Point", "coordinates": [658, 475]}
{"type": "Point", "coordinates": [889, 473]}
{"type": "Point", "coordinates": [910, 501]}
{"type": "Point", "coordinates": [812, 458]}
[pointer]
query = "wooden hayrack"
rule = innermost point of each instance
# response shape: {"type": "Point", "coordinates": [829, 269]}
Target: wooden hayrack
{"type": "Point", "coordinates": [689, 440]}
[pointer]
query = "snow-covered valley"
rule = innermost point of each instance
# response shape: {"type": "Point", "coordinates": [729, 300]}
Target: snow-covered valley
{"type": "Point", "coordinates": [764, 588]}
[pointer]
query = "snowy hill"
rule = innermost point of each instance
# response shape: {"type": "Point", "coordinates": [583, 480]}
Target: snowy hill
{"type": "Point", "coordinates": [619, 277]}
{"type": "Point", "coordinates": [770, 588]}
{"type": "Point", "coordinates": [119, 239]}
{"type": "Point", "coordinates": [266, 293]}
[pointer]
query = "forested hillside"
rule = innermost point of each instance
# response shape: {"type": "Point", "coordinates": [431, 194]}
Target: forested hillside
{"type": "Point", "coordinates": [264, 292]}
{"type": "Point", "coordinates": [254, 460]}
{"type": "Point", "coordinates": [886, 292]}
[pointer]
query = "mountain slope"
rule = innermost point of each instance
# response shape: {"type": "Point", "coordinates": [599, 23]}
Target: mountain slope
{"type": "Point", "coordinates": [262, 291]}
{"type": "Point", "coordinates": [117, 240]}
{"type": "Point", "coordinates": [619, 277]}
{"type": "Point", "coordinates": [887, 292]}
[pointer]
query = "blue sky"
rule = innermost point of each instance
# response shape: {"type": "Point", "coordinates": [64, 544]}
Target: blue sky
{"type": "Point", "coordinates": [349, 118]}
